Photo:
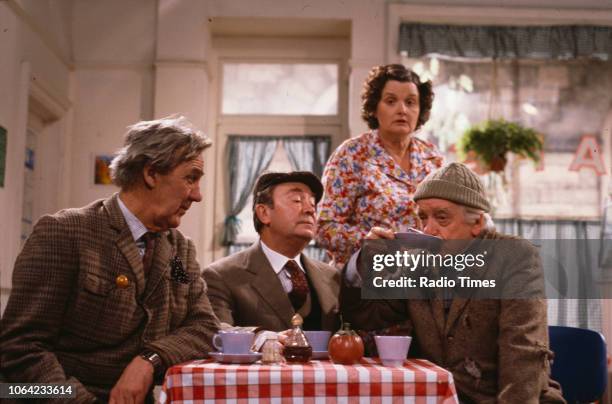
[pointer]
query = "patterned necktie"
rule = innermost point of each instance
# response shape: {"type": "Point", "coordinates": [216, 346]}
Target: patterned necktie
{"type": "Point", "coordinates": [147, 258]}
{"type": "Point", "coordinates": [300, 288]}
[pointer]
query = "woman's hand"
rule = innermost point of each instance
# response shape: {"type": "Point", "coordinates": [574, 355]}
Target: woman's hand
{"type": "Point", "coordinates": [376, 233]}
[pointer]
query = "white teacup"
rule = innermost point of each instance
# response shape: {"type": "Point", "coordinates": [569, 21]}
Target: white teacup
{"type": "Point", "coordinates": [318, 339]}
{"type": "Point", "coordinates": [392, 349]}
{"type": "Point", "coordinates": [234, 342]}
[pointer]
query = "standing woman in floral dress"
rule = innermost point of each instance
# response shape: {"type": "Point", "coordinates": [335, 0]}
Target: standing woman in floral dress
{"type": "Point", "coordinates": [370, 179]}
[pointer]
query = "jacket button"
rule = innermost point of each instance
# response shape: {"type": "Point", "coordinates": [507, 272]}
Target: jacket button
{"type": "Point", "coordinates": [450, 338]}
{"type": "Point", "coordinates": [122, 281]}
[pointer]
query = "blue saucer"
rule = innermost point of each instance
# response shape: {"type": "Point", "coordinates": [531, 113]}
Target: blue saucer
{"type": "Point", "coordinates": [235, 358]}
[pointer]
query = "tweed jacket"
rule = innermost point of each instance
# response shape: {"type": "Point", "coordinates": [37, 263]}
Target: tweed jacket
{"type": "Point", "coordinates": [68, 321]}
{"type": "Point", "coordinates": [245, 291]}
{"type": "Point", "coordinates": [497, 349]}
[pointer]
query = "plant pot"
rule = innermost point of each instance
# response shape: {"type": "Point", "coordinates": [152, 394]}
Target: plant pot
{"type": "Point", "coordinates": [498, 163]}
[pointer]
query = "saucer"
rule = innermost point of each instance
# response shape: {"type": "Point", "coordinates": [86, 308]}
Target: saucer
{"type": "Point", "coordinates": [235, 358]}
{"type": "Point", "coordinates": [320, 354]}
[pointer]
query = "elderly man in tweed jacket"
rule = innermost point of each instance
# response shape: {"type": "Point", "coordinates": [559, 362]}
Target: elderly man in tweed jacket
{"type": "Point", "coordinates": [497, 349]}
{"type": "Point", "coordinates": [107, 296]}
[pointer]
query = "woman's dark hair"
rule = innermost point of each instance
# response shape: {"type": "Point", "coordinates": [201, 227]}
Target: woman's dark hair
{"type": "Point", "coordinates": [374, 84]}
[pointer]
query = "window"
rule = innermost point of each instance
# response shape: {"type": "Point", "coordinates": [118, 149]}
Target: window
{"type": "Point", "coordinates": [280, 162]}
{"type": "Point", "coordinates": [274, 115]}
{"type": "Point", "coordinates": [280, 89]}
{"type": "Point", "coordinates": [563, 100]}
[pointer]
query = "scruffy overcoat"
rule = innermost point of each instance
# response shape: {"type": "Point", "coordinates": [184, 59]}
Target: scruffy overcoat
{"type": "Point", "coordinates": [497, 349]}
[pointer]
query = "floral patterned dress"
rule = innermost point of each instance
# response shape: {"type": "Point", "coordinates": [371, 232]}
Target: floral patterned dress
{"type": "Point", "coordinates": [365, 187]}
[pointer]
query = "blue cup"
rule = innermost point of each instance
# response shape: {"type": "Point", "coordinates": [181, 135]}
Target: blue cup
{"type": "Point", "coordinates": [234, 342]}
{"type": "Point", "coordinates": [318, 340]}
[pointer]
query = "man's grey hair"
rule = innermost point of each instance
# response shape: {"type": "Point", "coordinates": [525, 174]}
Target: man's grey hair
{"type": "Point", "coordinates": [472, 216]}
{"type": "Point", "coordinates": [163, 144]}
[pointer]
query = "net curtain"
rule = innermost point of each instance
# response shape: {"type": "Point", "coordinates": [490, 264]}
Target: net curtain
{"type": "Point", "coordinates": [249, 156]}
{"type": "Point", "coordinates": [559, 42]}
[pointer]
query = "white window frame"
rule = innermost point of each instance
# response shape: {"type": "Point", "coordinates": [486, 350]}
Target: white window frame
{"type": "Point", "coordinates": [272, 50]}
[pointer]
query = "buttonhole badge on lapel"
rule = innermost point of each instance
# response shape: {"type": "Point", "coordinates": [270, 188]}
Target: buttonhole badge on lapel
{"type": "Point", "coordinates": [122, 281]}
{"type": "Point", "coordinates": [177, 272]}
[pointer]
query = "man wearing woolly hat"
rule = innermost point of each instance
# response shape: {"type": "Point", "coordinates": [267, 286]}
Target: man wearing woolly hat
{"type": "Point", "coordinates": [497, 349]}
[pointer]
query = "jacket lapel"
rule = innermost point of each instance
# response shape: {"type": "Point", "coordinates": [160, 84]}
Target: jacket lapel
{"type": "Point", "coordinates": [125, 241]}
{"type": "Point", "coordinates": [161, 262]}
{"type": "Point", "coordinates": [459, 304]}
{"type": "Point", "coordinates": [327, 298]}
{"type": "Point", "coordinates": [457, 307]}
{"type": "Point", "coordinates": [437, 313]}
{"type": "Point", "coordinates": [267, 284]}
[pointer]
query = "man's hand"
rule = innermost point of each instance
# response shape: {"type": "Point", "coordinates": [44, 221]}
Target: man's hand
{"type": "Point", "coordinates": [284, 335]}
{"type": "Point", "coordinates": [134, 383]}
{"type": "Point", "coordinates": [376, 233]}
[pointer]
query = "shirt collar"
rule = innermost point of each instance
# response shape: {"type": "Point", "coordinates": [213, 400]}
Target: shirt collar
{"type": "Point", "coordinates": [135, 225]}
{"type": "Point", "coordinates": [277, 260]}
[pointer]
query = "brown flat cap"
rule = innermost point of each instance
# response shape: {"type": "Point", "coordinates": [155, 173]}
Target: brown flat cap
{"type": "Point", "coordinates": [305, 177]}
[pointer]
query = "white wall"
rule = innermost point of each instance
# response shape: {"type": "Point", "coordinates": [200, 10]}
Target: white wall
{"type": "Point", "coordinates": [114, 46]}
{"type": "Point", "coordinates": [31, 58]}
{"type": "Point", "coordinates": [106, 102]}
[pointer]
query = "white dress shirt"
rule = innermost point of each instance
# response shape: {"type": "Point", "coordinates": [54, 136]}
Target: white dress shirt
{"type": "Point", "coordinates": [278, 261]}
{"type": "Point", "coordinates": [135, 225]}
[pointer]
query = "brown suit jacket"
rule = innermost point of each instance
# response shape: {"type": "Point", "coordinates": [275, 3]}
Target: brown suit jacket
{"type": "Point", "coordinates": [67, 321]}
{"type": "Point", "coordinates": [497, 349]}
{"type": "Point", "coordinates": [245, 291]}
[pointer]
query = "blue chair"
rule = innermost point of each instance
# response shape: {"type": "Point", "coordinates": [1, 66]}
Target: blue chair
{"type": "Point", "coordinates": [580, 363]}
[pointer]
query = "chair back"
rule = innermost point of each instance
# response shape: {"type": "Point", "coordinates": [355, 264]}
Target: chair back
{"type": "Point", "coordinates": [580, 363]}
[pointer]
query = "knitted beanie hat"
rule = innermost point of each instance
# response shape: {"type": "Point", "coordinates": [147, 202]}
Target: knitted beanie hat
{"type": "Point", "coordinates": [454, 182]}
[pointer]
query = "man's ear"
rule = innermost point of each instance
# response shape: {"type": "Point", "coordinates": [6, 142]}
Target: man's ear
{"type": "Point", "coordinates": [478, 226]}
{"type": "Point", "coordinates": [149, 176]}
{"type": "Point", "coordinates": [263, 213]}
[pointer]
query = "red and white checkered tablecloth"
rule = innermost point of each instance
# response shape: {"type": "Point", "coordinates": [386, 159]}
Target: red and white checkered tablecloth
{"type": "Point", "coordinates": [418, 381]}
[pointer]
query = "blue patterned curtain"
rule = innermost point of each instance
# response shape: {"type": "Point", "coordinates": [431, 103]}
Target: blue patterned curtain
{"type": "Point", "coordinates": [248, 156]}
{"type": "Point", "coordinates": [506, 42]}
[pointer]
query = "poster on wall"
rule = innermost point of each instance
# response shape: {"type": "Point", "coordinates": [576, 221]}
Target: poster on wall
{"type": "Point", "coordinates": [101, 169]}
{"type": "Point", "coordinates": [2, 155]}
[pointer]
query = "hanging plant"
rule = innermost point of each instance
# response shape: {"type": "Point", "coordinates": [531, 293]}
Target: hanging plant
{"type": "Point", "coordinates": [491, 141]}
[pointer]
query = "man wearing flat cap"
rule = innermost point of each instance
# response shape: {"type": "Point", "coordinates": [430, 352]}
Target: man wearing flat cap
{"type": "Point", "coordinates": [496, 348]}
{"type": "Point", "coordinates": [266, 284]}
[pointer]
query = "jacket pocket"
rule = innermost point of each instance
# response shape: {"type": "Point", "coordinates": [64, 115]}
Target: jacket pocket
{"type": "Point", "coordinates": [108, 306]}
{"type": "Point", "coordinates": [96, 285]}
